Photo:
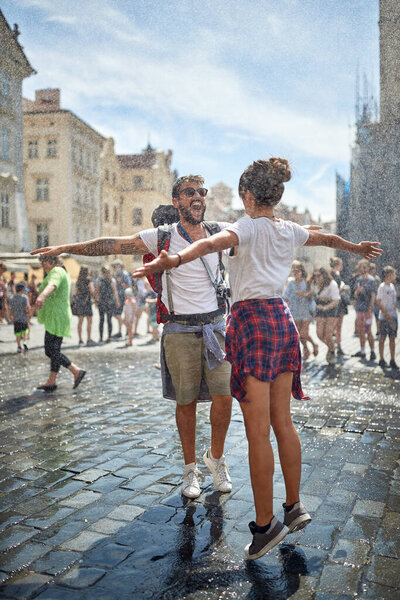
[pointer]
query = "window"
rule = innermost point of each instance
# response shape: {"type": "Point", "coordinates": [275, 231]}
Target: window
{"type": "Point", "coordinates": [5, 210]}
{"type": "Point", "coordinates": [106, 213]}
{"type": "Point", "coordinates": [81, 157]}
{"type": "Point", "coordinates": [42, 190]}
{"type": "Point", "coordinates": [137, 216]}
{"type": "Point", "coordinates": [77, 234]}
{"type": "Point", "coordinates": [33, 151]}
{"type": "Point", "coordinates": [138, 182]}
{"type": "Point", "coordinates": [73, 154]}
{"type": "Point", "coordinates": [85, 196]}
{"type": "Point", "coordinates": [42, 235]}
{"type": "Point", "coordinates": [5, 144]}
{"type": "Point", "coordinates": [91, 197]}
{"type": "Point", "coordinates": [5, 84]}
{"type": "Point", "coordinates": [77, 193]}
{"type": "Point", "coordinates": [51, 148]}
{"type": "Point", "coordinates": [114, 179]}
{"type": "Point", "coordinates": [107, 175]}
{"type": "Point", "coordinates": [94, 165]}
{"type": "Point", "coordinates": [115, 215]}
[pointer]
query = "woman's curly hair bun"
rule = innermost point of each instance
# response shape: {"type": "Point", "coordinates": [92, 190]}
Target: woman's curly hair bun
{"type": "Point", "coordinates": [265, 179]}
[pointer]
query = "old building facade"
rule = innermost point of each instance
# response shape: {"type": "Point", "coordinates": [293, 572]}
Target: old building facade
{"type": "Point", "coordinates": [146, 182]}
{"type": "Point", "coordinates": [62, 157]}
{"type": "Point", "coordinates": [368, 205]}
{"type": "Point", "coordinates": [14, 68]}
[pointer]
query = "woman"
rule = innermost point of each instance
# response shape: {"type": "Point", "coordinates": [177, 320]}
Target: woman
{"type": "Point", "coordinates": [55, 313]}
{"type": "Point", "coordinates": [106, 296]}
{"type": "Point", "coordinates": [83, 296]}
{"type": "Point", "coordinates": [33, 293]}
{"type": "Point", "coordinates": [297, 296]}
{"type": "Point", "coordinates": [326, 294]}
{"type": "Point", "coordinates": [336, 266]}
{"type": "Point", "coordinates": [262, 340]}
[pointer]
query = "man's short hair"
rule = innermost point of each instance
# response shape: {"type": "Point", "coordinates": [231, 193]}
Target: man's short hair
{"type": "Point", "coordinates": [185, 179]}
{"type": "Point", "coordinates": [19, 287]}
{"type": "Point", "coordinates": [50, 258]}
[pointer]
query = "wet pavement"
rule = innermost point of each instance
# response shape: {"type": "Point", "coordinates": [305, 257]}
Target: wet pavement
{"type": "Point", "coordinates": [90, 503]}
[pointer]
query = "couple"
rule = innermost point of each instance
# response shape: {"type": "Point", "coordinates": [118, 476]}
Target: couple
{"type": "Point", "coordinates": [262, 342]}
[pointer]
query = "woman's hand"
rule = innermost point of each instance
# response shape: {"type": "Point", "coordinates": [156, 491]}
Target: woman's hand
{"type": "Point", "coordinates": [162, 262]}
{"type": "Point", "coordinates": [369, 249]}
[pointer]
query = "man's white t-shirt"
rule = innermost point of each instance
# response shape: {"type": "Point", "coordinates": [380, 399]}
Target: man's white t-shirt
{"type": "Point", "coordinates": [387, 296]}
{"type": "Point", "coordinates": [192, 289]}
{"type": "Point", "coordinates": [264, 257]}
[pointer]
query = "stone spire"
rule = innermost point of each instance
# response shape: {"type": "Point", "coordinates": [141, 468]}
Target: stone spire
{"type": "Point", "coordinates": [389, 24]}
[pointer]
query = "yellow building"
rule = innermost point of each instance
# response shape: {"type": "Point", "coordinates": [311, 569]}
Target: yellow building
{"type": "Point", "coordinates": [62, 174]}
{"type": "Point", "coordinates": [146, 182]}
{"type": "Point", "coordinates": [14, 67]}
{"type": "Point", "coordinates": [111, 192]}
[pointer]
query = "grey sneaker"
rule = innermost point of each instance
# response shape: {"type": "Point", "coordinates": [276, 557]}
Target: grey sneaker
{"type": "Point", "coordinates": [297, 518]}
{"type": "Point", "coordinates": [264, 542]}
{"type": "Point", "coordinates": [219, 471]}
{"type": "Point", "coordinates": [190, 483]}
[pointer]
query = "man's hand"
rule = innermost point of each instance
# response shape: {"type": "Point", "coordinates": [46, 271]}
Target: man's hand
{"type": "Point", "coordinates": [163, 262]}
{"type": "Point", "coordinates": [48, 251]}
{"type": "Point", "coordinates": [369, 249]}
{"type": "Point", "coordinates": [40, 301]}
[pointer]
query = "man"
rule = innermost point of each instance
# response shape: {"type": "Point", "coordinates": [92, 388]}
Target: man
{"type": "Point", "coordinates": [183, 347]}
{"type": "Point", "coordinates": [365, 294]}
{"type": "Point", "coordinates": [123, 282]}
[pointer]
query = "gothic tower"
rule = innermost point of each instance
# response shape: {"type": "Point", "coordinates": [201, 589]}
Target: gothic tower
{"type": "Point", "coordinates": [389, 26]}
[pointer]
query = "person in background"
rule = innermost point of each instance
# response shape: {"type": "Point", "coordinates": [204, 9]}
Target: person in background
{"type": "Point", "coordinates": [336, 264]}
{"type": "Point", "coordinates": [33, 293]}
{"type": "Point", "coordinates": [129, 314]}
{"type": "Point", "coordinates": [123, 281]}
{"type": "Point", "coordinates": [20, 315]}
{"type": "Point", "coordinates": [151, 301]}
{"type": "Point", "coordinates": [365, 294]}
{"type": "Point", "coordinates": [297, 295]}
{"type": "Point", "coordinates": [54, 311]}
{"type": "Point", "coordinates": [11, 284]}
{"type": "Point", "coordinates": [326, 294]}
{"type": "Point", "coordinates": [375, 309]}
{"type": "Point", "coordinates": [3, 293]}
{"type": "Point", "coordinates": [142, 307]}
{"type": "Point", "coordinates": [386, 300]}
{"type": "Point", "coordinates": [107, 299]}
{"type": "Point", "coordinates": [84, 294]}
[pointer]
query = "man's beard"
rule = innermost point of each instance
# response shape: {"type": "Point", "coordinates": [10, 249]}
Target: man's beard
{"type": "Point", "coordinates": [187, 215]}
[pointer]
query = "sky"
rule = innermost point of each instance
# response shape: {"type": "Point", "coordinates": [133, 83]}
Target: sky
{"type": "Point", "coordinates": [220, 82]}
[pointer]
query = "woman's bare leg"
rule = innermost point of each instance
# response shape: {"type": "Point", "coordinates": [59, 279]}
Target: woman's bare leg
{"type": "Point", "coordinates": [89, 328]}
{"type": "Point", "coordinates": [80, 321]}
{"type": "Point", "coordinates": [286, 435]}
{"type": "Point", "coordinates": [329, 329]}
{"type": "Point", "coordinates": [261, 458]}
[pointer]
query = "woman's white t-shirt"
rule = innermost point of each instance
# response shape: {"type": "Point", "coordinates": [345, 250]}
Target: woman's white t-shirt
{"type": "Point", "coordinates": [264, 257]}
{"type": "Point", "coordinates": [192, 289]}
{"type": "Point", "coordinates": [329, 292]}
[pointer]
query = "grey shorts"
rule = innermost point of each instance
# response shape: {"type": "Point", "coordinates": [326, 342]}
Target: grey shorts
{"type": "Point", "coordinates": [184, 355]}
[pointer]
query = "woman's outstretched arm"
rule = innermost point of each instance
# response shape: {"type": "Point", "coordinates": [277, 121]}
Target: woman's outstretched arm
{"type": "Point", "coordinates": [164, 261]}
{"type": "Point", "coordinates": [366, 249]}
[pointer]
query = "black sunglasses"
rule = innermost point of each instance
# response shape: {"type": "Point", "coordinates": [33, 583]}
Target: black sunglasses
{"type": "Point", "coordinates": [190, 192]}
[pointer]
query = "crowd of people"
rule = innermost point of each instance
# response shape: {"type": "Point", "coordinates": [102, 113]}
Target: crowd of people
{"type": "Point", "coordinates": [119, 300]}
{"type": "Point", "coordinates": [325, 297]}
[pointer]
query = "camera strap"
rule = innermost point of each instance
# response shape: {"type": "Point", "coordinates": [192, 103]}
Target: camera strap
{"type": "Point", "coordinates": [187, 237]}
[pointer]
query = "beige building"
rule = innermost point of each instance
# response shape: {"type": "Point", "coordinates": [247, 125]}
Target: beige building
{"type": "Point", "coordinates": [14, 67]}
{"type": "Point", "coordinates": [219, 204]}
{"type": "Point", "coordinates": [111, 191]}
{"type": "Point", "coordinates": [62, 173]}
{"type": "Point", "coordinates": [146, 182]}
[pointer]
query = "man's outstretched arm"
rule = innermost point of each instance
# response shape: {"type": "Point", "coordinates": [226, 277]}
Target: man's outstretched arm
{"type": "Point", "coordinates": [98, 247]}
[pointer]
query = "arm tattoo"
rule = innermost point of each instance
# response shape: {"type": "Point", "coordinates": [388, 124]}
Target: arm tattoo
{"type": "Point", "coordinates": [100, 247]}
{"type": "Point", "coordinates": [132, 247]}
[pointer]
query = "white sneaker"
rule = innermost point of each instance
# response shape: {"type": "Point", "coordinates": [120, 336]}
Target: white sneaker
{"type": "Point", "coordinates": [219, 471]}
{"type": "Point", "coordinates": [190, 484]}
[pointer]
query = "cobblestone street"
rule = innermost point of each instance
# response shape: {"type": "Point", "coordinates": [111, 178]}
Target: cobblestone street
{"type": "Point", "coordinates": [90, 486]}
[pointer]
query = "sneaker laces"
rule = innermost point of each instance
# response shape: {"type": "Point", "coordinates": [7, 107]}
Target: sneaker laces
{"type": "Point", "coordinates": [222, 472]}
{"type": "Point", "coordinates": [190, 477]}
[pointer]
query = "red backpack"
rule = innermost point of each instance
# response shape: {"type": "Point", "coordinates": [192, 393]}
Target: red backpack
{"type": "Point", "coordinates": [163, 242]}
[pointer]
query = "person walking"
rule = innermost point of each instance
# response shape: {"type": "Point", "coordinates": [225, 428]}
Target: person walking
{"type": "Point", "coordinates": [122, 281]}
{"type": "Point", "coordinates": [386, 300]}
{"type": "Point", "coordinates": [129, 314]}
{"type": "Point", "coordinates": [83, 299]}
{"type": "Point", "coordinates": [365, 294]}
{"type": "Point", "coordinates": [326, 294]}
{"type": "Point", "coordinates": [107, 300]}
{"type": "Point", "coordinates": [193, 368]}
{"type": "Point", "coordinates": [20, 314]}
{"type": "Point", "coordinates": [263, 344]}
{"type": "Point", "coordinates": [297, 295]}
{"type": "Point", "coordinates": [54, 312]}
{"type": "Point", "coordinates": [336, 264]}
